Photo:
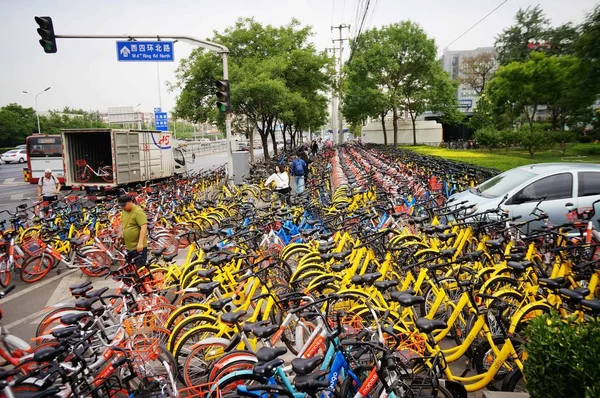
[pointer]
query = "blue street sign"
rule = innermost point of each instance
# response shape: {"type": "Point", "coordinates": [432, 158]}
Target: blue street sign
{"type": "Point", "coordinates": [161, 122]}
{"type": "Point", "coordinates": [156, 110]}
{"type": "Point", "coordinates": [145, 51]}
{"type": "Point", "coordinates": [465, 103]}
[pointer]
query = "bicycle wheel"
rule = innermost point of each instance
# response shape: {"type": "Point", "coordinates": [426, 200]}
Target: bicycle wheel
{"type": "Point", "coordinates": [36, 267]}
{"type": "Point", "coordinates": [167, 241]}
{"type": "Point", "coordinates": [4, 271]}
{"type": "Point", "coordinates": [229, 383]}
{"type": "Point", "coordinates": [199, 362]}
{"type": "Point", "coordinates": [93, 262]}
{"type": "Point", "coordinates": [83, 174]}
{"type": "Point", "coordinates": [106, 173]}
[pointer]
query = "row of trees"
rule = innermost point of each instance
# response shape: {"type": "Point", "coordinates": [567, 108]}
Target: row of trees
{"type": "Point", "coordinates": [17, 122]}
{"type": "Point", "coordinates": [395, 69]}
{"type": "Point", "coordinates": [278, 79]}
{"type": "Point", "coordinates": [539, 65]}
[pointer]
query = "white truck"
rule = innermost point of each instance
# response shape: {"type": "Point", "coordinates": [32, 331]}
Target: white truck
{"type": "Point", "coordinates": [133, 156]}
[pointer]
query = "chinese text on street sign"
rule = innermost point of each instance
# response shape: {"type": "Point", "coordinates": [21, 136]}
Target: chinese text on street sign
{"type": "Point", "coordinates": [161, 122]}
{"type": "Point", "coordinates": [145, 51]}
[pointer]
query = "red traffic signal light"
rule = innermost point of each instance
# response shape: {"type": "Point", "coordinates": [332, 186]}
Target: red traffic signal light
{"type": "Point", "coordinates": [46, 32]}
{"type": "Point", "coordinates": [223, 100]}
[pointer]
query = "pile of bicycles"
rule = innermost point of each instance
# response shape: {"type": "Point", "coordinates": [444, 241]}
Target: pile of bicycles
{"type": "Point", "coordinates": [371, 284]}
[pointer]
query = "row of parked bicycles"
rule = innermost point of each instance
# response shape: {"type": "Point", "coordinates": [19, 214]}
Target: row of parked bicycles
{"type": "Point", "coordinates": [371, 283]}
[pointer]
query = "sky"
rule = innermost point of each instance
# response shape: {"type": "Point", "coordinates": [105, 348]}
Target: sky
{"type": "Point", "coordinates": [85, 73]}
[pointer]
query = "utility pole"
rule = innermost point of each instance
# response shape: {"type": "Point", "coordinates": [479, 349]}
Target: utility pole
{"type": "Point", "coordinates": [333, 102]}
{"type": "Point", "coordinates": [339, 81]}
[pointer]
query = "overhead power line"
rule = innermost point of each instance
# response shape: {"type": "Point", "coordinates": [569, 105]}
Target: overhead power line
{"type": "Point", "coordinates": [471, 28]}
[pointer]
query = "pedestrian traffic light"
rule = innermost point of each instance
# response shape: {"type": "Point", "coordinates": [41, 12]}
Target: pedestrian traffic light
{"type": "Point", "coordinates": [46, 32]}
{"type": "Point", "coordinates": [223, 102]}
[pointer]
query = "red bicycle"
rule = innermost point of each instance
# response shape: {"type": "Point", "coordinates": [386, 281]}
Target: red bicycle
{"type": "Point", "coordinates": [84, 172]}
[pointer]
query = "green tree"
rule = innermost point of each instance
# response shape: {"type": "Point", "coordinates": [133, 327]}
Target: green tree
{"type": "Point", "coordinates": [16, 123]}
{"type": "Point", "coordinates": [399, 60]}
{"type": "Point", "coordinates": [487, 137]}
{"type": "Point", "coordinates": [534, 140]}
{"type": "Point", "coordinates": [482, 115]}
{"type": "Point", "coordinates": [477, 70]}
{"type": "Point", "coordinates": [530, 26]}
{"type": "Point", "coordinates": [270, 68]}
{"type": "Point", "coordinates": [587, 48]}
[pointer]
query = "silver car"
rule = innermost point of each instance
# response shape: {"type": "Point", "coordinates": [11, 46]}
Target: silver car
{"type": "Point", "coordinates": [565, 186]}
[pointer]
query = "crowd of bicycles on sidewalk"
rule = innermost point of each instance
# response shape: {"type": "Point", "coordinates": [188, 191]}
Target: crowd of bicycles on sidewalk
{"type": "Point", "coordinates": [369, 281]}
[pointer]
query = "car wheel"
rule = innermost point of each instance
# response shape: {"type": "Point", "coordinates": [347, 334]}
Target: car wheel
{"type": "Point", "coordinates": [22, 160]}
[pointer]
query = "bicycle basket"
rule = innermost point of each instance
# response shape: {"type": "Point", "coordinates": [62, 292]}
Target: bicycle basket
{"type": "Point", "coordinates": [581, 214]}
{"type": "Point", "coordinates": [80, 162]}
{"type": "Point", "coordinates": [144, 323]}
{"type": "Point", "coordinates": [143, 349]}
{"type": "Point", "coordinates": [33, 246]}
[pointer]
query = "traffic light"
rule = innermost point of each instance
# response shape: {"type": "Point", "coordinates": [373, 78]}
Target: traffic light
{"type": "Point", "coordinates": [223, 102]}
{"type": "Point", "coordinates": [46, 32]}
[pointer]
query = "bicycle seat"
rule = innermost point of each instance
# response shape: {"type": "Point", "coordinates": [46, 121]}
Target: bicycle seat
{"type": "Point", "coordinates": [326, 256]}
{"type": "Point", "coordinates": [78, 293]}
{"type": "Point", "coordinates": [552, 284]}
{"type": "Point", "coordinates": [341, 266]}
{"type": "Point", "coordinates": [406, 299]}
{"type": "Point", "coordinates": [266, 354]}
{"type": "Point", "coordinates": [5, 374]}
{"type": "Point", "coordinates": [519, 267]}
{"type": "Point", "coordinates": [266, 369]}
{"type": "Point", "coordinates": [79, 286]}
{"type": "Point", "coordinates": [158, 252]}
{"type": "Point", "coordinates": [220, 304]}
{"type": "Point", "coordinates": [302, 366]}
{"type": "Point", "coordinates": [325, 247]}
{"type": "Point", "coordinates": [591, 306]}
{"type": "Point", "coordinates": [76, 241]}
{"type": "Point", "coordinates": [442, 228]}
{"type": "Point", "coordinates": [366, 279]}
{"type": "Point", "coordinates": [72, 319]}
{"type": "Point", "coordinates": [446, 237]}
{"type": "Point", "coordinates": [206, 273]}
{"type": "Point", "coordinates": [473, 255]}
{"type": "Point", "coordinates": [342, 255]}
{"type": "Point", "coordinates": [429, 230]}
{"type": "Point", "coordinates": [514, 256]}
{"type": "Point", "coordinates": [448, 252]}
{"type": "Point", "coordinates": [308, 232]}
{"type": "Point", "coordinates": [231, 318]}
{"type": "Point", "coordinates": [97, 293]}
{"type": "Point", "coordinates": [64, 332]}
{"type": "Point", "coordinates": [208, 288]}
{"type": "Point", "coordinates": [312, 222]}
{"type": "Point", "coordinates": [382, 286]}
{"type": "Point", "coordinates": [249, 326]}
{"type": "Point", "coordinates": [429, 325]}
{"type": "Point", "coordinates": [264, 332]}
{"type": "Point", "coordinates": [419, 220]}
{"type": "Point", "coordinates": [574, 295]}
{"type": "Point", "coordinates": [494, 244]}
{"type": "Point", "coordinates": [87, 304]}
{"type": "Point", "coordinates": [48, 354]}
{"type": "Point", "coordinates": [325, 235]}
{"type": "Point", "coordinates": [218, 260]}
{"type": "Point", "coordinates": [170, 258]}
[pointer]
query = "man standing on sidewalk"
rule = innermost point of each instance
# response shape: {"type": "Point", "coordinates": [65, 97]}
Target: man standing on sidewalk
{"type": "Point", "coordinates": [135, 231]}
{"type": "Point", "coordinates": [48, 187]}
{"type": "Point", "coordinates": [299, 168]}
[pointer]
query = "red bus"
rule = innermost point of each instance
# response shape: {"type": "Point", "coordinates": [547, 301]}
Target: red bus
{"type": "Point", "coordinates": [44, 152]}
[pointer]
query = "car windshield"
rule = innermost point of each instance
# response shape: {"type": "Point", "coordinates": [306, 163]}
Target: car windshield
{"type": "Point", "coordinates": [13, 151]}
{"type": "Point", "coordinates": [502, 183]}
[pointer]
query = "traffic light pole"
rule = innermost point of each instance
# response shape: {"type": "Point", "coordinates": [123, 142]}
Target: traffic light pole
{"type": "Point", "coordinates": [193, 41]}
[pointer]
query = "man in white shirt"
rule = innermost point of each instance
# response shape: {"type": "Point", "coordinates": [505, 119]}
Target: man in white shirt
{"type": "Point", "coordinates": [48, 187]}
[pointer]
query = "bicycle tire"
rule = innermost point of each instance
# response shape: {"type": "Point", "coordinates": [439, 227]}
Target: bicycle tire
{"type": "Point", "coordinates": [36, 267]}
{"type": "Point", "coordinates": [4, 271]}
{"type": "Point", "coordinates": [106, 173]}
{"type": "Point", "coordinates": [83, 174]}
{"type": "Point", "coordinates": [197, 366]}
{"type": "Point", "coordinates": [97, 257]}
{"type": "Point", "coordinates": [229, 383]}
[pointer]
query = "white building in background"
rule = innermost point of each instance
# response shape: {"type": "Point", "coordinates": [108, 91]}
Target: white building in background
{"type": "Point", "coordinates": [127, 117]}
{"type": "Point", "coordinates": [452, 63]}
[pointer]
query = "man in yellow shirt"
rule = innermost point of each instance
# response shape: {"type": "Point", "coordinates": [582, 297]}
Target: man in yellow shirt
{"type": "Point", "coordinates": [135, 231]}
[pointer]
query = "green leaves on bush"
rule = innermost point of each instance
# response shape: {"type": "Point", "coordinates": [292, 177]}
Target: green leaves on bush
{"type": "Point", "coordinates": [563, 138]}
{"type": "Point", "coordinates": [563, 357]}
{"type": "Point", "coordinates": [487, 137]}
{"type": "Point", "coordinates": [534, 140]}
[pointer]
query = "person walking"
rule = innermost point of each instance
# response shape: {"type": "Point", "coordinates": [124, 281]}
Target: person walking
{"type": "Point", "coordinates": [282, 183]}
{"type": "Point", "coordinates": [48, 187]}
{"type": "Point", "coordinates": [135, 231]}
{"type": "Point", "coordinates": [299, 169]}
{"type": "Point", "coordinates": [315, 148]}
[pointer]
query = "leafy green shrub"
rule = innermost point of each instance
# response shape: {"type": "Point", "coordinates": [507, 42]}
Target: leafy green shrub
{"type": "Point", "coordinates": [488, 138]}
{"type": "Point", "coordinates": [585, 149]}
{"type": "Point", "coordinates": [563, 357]}
{"type": "Point", "coordinates": [508, 138]}
{"type": "Point", "coordinates": [542, 127]}
{"type": "Point", "coordinates": [534, 140]}
{"type": "Point", "coordinates": [563, 139]}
